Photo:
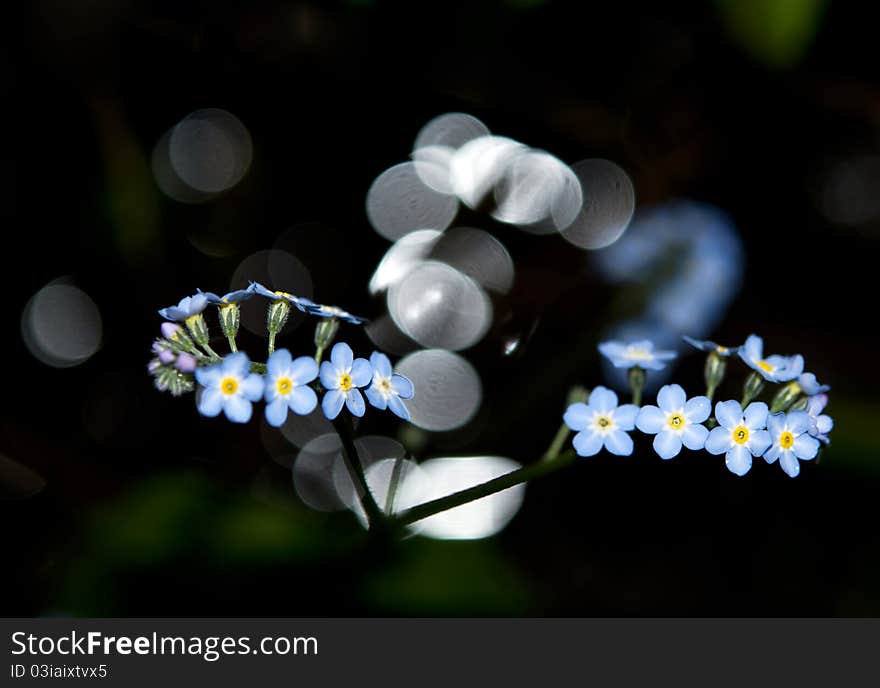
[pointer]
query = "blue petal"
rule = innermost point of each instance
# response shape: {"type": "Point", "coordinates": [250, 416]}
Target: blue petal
{"type": "Point", "coordinates": [603, 399]}
{"type": "Point", "coordinates": [278, 363]}
{"type": "Point", "coordinates": [625, 416]}
{"type": "Point", "coordinates": [755, 415]}
{"type": "Point", "coordinates": [671, 398]}
{"type": "Point", "coordinates": [619, 443]}
{"type": "Point", "coordinates": [210, 402]}
{"type": "Point", "coordinates": [354, 400]}
{"type": "Point", "coordinates": [667, 444]}
{"type": "Point", "coordinates": [361, 372]}
{"type": "Point", "coordinates": [719, 440]}
{"type": "Point", "coordinates": [772, 453]}
{"type": "Point", "coordinates": [237, 409]}
{"type": "Point", "coordinates": [381, 364]}
{"type": "Point", "coordinates": [276, 412]}
{"type": "Point", "coordinates": [824, 424]}
{"type": "Point", "coordinates": [729, 414]}
{"type": "Point", "coordinates": [697, 409]}
{"type": "Point", "coordinates": [303, 370]}
{"type": "Point", "coordinates": [252, 387]}
{"type": "Point", "coordinates": [209, 376]}
{"type": "Point", "coordinates": [402, 386]}
{"type": "Point", "coordinates": [789, 463]}
{"type": "Point", "coordinates": [759, 442]}
{"type": "Point", "coordinates": [197, 303]}
{"type": "Point", "coordinates": [398, 408]}
{"type": "Point", "coordinates": [329, 377]}
{"type": "Point", "coordinates": [753, 349]}
{"type": "Point", "coordinates": [342, 357]}
{"type": "Point", "coordinates": [806, 447]}
{"type": "Point", "coordinates": [376, 398]}
{"type": "Point", "coordinates": [587, 443]}
{"type": "Point", "coordinates": [694, 436]}
{"type": "Point", "coordinates": [798, 422]}
{"type": "Point", "coordinates": [612, 349]}
{"type": "Point", "coordinates": [332, 403]}
{"type": "Point", "coordinates": [738, 460]}
{"type": "Point", "coordinates": [650, 420]}
{"type": "Point", "coordinates": [303, 400]}
{"type": "Point", "coordinates": [577, 416]}
{"type": "Point", "coordinates": [775, 424]}
{"type": "Point", "coordinates": [236, 364]}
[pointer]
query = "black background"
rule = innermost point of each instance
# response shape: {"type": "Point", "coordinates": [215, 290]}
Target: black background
{"type": "Point", "coordinates": [156, 515]}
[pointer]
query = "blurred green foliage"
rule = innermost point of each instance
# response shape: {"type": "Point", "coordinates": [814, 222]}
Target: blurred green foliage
{"type": "Point", "coordinates": [777, 33]}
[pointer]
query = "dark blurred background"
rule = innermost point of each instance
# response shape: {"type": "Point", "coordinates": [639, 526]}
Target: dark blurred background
{"type": "Point", "coordinates": [119, 500]}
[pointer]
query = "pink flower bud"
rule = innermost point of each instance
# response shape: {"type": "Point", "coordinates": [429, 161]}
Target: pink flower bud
{"type": "Point", "coordinates": [169, 329]}
{"type": "Point", "coordinates": [185, 363]}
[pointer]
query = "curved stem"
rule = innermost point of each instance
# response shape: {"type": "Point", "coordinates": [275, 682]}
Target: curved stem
{"type": "Point", "coordinates": [524, 474]}
{"type": "Point", "coordinates": [557, 443]}
{"type": "Point", "coordinates": [356, 470]}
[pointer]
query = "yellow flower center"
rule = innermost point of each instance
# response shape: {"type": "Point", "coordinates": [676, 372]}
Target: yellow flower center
{"type": "Point", "coordinates": [676, 420]}
{"type": "Point", "coordinates": [741, 435]}
{"type": "Point", "coordinates": [786, 439]}
{"type": "Point", "coordinates": [638, 354]}
{"type": "Point", "coordinates": [229, 385]}
{"type": "Point", "coordinates": [766, 367]}
{"type": "Point", "coordinates": [721, 349]}
{"type": "Point", "coordinates": [604, 422]}
{"type": "Point", "coordinates": [335, 310]}
{"type": "Point", "coordinates": [284, 385]}
{"type": "Point", "coordinates": [345, 382]}
{"type": "Point", "coordinates": [385, 385]}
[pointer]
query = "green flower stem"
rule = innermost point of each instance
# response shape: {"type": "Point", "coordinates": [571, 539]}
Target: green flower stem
{"type": "Point", "coordinates": [375, 517]}
{"type": "Point", "coordinates": [392, 485]}
{"type": "Point", "coordinates": [232, 345]}
{"type": "Point", "coordinates": [272, 342]}
{"type": "Point", "coordinates": [211, 352]}
{"type": "Point", "coordinates": [522, 475]}
{"type": "Point", "coordinates": [637, 384]}
{"type": "Point", "coordinates": [319, 353]}
{"type": "Point", "coordinates": [557, 443]}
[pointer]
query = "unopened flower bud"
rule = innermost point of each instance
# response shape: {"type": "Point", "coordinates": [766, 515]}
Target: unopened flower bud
{"type": "Point", "coordinates": [713, 372]}
{"type": "Point", "coordinates": [185, 363]}
{"type": "Point", "coordinates": [752, 388]}
{"type": "Point", "coordinates": [169, 329]}
{"type": "Point", "coordinates": [198, 328]}
{"type": "Point", "coordinates": [325, 332]}
{"type": "Point", "coordinates": [785, 397]}
{"type": "Point", "coordinates": [230, 317]}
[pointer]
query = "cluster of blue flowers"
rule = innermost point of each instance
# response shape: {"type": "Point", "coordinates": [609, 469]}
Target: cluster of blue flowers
{"type": "Point", "coordinates": [231, 384]}
{"type": "Point", "coordinates": [791, 429]}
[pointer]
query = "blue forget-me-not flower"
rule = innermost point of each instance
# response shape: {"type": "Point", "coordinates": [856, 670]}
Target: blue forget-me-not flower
{"type": "Point", "coordinates": [636, 354]}
{"type": "Point", "coordinates": [229, 386]}
{"type": "Point", "coordinates": [810, 385]}
{"type": "Point", "coordinates": [789, 433]}
{"type": "Point", "coordinates": [601, 423]}
{"type": "Point", "coordinates": [287, 386]}
{"type": "Point", "coordinates": [341, 376]}
{"type": "Point", "coordinates": [388, 388]}
{"type": "Point", "coordinates": [773, 368]}
{"type": "Point", "coordinates": [740, 435]}
{"type": "Point", "coordinates": [188, 307]}
{"type": "Point", "coordinates": [709, 346]}
{"type": "Point", "coordinates": [820, 423]}
{"type": "Point", "coordinates": [675, 421]}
